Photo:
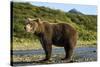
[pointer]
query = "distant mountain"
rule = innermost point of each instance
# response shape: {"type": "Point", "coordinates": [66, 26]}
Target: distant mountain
{"type": "Point", "coordinates": [74, 11]}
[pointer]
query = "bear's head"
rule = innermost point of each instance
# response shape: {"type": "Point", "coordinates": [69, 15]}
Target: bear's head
{"type": "Point", "coordinates": [32, 25]}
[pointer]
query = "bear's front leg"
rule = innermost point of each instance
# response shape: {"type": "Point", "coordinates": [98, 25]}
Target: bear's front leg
{"type": "Point", "coordinates": [47, 49]}
{"type": "Point", "coordinates": [47, 46]}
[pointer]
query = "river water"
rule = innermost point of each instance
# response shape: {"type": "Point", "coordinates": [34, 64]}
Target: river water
{"type": "Point", "coordinates": [82, 54]}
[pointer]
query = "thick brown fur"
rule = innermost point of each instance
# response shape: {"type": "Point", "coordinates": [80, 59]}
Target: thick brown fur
{"type": "Point", "coordinates": [58, 34]}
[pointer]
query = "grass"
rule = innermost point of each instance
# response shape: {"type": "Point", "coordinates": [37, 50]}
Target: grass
{"type": "Point", "coordinates": [31, 44]}
{"type": "Point", "coordinates": [25, 44]}
{"type": "Point", "coordinates": [91, 43]}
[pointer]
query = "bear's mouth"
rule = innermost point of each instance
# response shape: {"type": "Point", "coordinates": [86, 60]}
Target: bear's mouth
{"type": "Point", "coordinates": [26, 29]}
{"type": "Point", "coordinates": [30, 31]}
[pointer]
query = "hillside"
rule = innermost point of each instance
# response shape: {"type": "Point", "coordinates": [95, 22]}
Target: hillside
{"type": "Point", "coordinates": [86, 25]}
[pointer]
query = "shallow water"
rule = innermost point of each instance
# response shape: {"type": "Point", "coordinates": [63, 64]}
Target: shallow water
{"type": "Point", "coordinates": [82, 54]}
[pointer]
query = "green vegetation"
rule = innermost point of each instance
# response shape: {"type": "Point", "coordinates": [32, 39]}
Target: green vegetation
{"type": "Point", "coordinates": [86, 25]}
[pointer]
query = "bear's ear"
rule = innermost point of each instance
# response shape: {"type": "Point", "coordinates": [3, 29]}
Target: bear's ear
{"type": "Point", "coordinates": [38, 20]}
{"type": "Point", "coordinates": [29, 19]}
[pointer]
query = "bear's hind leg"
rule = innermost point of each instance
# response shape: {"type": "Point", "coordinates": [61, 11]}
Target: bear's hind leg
{"type": "Point", "coordinates": [68, 52]}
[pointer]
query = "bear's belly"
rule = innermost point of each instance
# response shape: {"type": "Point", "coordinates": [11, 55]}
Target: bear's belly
{"type": "Point", "coordinates": [59, 45]}
{"type": "Point", "coordinates": [58, 42]}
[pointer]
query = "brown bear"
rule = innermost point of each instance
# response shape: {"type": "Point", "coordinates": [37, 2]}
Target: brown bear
{"type": "Point", "coordinates": [58, 34]}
